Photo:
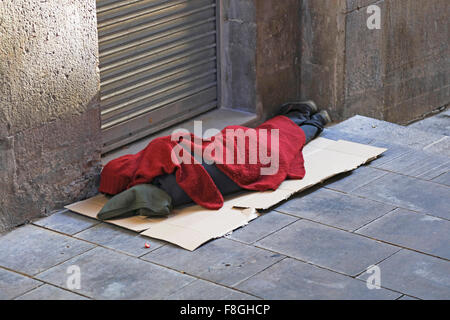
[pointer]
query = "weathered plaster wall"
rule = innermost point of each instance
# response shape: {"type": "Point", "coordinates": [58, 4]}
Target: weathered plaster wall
{"type": "Point", "coordinates": [49, 116]}
{"type": "Point", "coordinates": [397, 73]}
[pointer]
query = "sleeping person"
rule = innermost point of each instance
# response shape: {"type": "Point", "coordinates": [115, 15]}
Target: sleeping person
{"type": "Point", "coordinates": [182, 169]}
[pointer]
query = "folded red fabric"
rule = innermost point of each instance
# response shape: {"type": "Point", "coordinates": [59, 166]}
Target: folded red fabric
{"type": "Point", "coordinates": [258, 159]}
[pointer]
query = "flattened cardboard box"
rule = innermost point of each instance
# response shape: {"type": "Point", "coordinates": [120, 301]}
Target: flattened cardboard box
{"type": "Point", "coordinates": [192, 226]}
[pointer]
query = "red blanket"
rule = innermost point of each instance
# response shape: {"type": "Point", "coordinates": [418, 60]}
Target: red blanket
{"type": "Point", "coordinates": [258, 158]}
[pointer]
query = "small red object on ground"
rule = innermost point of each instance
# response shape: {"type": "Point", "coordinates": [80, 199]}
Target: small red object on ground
{"type": "Point", "coordinates": [147, 245]}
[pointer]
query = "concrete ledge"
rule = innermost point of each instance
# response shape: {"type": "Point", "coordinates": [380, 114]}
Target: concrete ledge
{"type": "Point", "coordinates": [214, 119]}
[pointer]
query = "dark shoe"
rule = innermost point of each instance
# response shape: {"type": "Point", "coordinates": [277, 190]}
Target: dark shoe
{"type": "Point", "coordinates": [323, 116]}
{"type": "Point", "coordinates": [307, 108]}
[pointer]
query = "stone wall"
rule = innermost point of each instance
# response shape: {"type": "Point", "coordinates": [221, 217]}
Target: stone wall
{"type": "Point", "coordinates": [278, 54]}
{"type": "Point", "coordinates": [260, 54]}
{"type": "Point", "coordinates": [238, 54]}
{"type": "Point", "coordinates": [396, 73]}
{"type": "Point", "coordinates": [49, 113]}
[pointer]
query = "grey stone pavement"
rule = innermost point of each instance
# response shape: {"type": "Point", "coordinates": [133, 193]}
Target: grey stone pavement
{"type": "Point", "coordinates": [393, 213]}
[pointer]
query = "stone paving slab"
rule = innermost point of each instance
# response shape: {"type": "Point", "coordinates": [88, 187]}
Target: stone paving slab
{"type": "Point", "coordinates": [119, 239]}
{"type": "Point", "coordinates": [13, 284]}
{"type": "Point", "coordinates": [66, 222]}
{"type": "Point", "coordinates": [48, 292]}
{"type": "Point", "coordinates": [106, 274]}
{"type": "Point", "coordinates": [335, 208]}
{"type": "Point", "coordinates": [31, 249]}
{"type": "Point", "coordinates": [327, 247]}
{"type": "Point", "coordinates": [222, 261]}
{"type": "Point", "coordinates": [347, 182]}
{"type": "Point", "coordinates": [261, 227]}
{"type": "Point", "coordinates": [204, 290]}
{"type": "Point", "coordinates": [416, 274]}
{"type": "Point", "coordinates": [412, 230]}
{"type": "Point", "coordinates": [291, 279]}
{"type": "Point", "coordinates": [409, 193]}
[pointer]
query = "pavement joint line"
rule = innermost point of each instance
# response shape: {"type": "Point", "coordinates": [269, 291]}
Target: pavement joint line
{"type": "Point", "coordinates": [57, 286]}
{"type": "Point", "coordinates": [407, 248]}
{"type": "Point", "coordinates": [57, 231]}
{"type": "Point", "coordinates": [387, 288]}
{"type": "Point", "coordinates": [165, 244]}
{"type": "Point", "coordinates": [435, 142]}
{"type": "Point", "coordinates": [394, 158]}
{"type": "Point", "coordinates": [248, 278]}
{"type": "Point", "coordinates": [297, 219]}
{"type": "Point", "coordinates": [118, 250]}
{"type": "Point", "coordinates": [18, 272]}
{"type": "Point", "coordinates": [440, 176]}
{"type": "Point", "coordinates": [324, 224]}
{"type": "Point", "coordinates": [414, 177]}
{"type": "Point", "coordinates": [251, 243]}
{"type": "Point", "coordinates": [366, 183]}
{"type": "Point", "coordinates": [401, 208]}
{"type": "Point", "coordinates": [444, 165]}
{"type": "Point", "coordinates": [382, 216]}
{"type": "Point", "coordinates": [184, 286]}
{"type": "Point", "coordinates": [62, 262]}
{"type": "Point", "coordinates": [385, 258]}
{"type": "Point", "coordinates": [29, 290]}
{"type": "Point", "coordinates": [243, 280]}
{"type": "Point", "coordinates": [34, 221]}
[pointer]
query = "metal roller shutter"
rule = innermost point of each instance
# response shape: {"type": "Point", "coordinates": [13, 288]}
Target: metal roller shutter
{"type": "Point", "coordinates": [158, 65]}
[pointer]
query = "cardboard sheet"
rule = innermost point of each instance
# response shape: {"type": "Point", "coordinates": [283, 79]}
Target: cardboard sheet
{"type": "Point", "coordinates": [192, 226]}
